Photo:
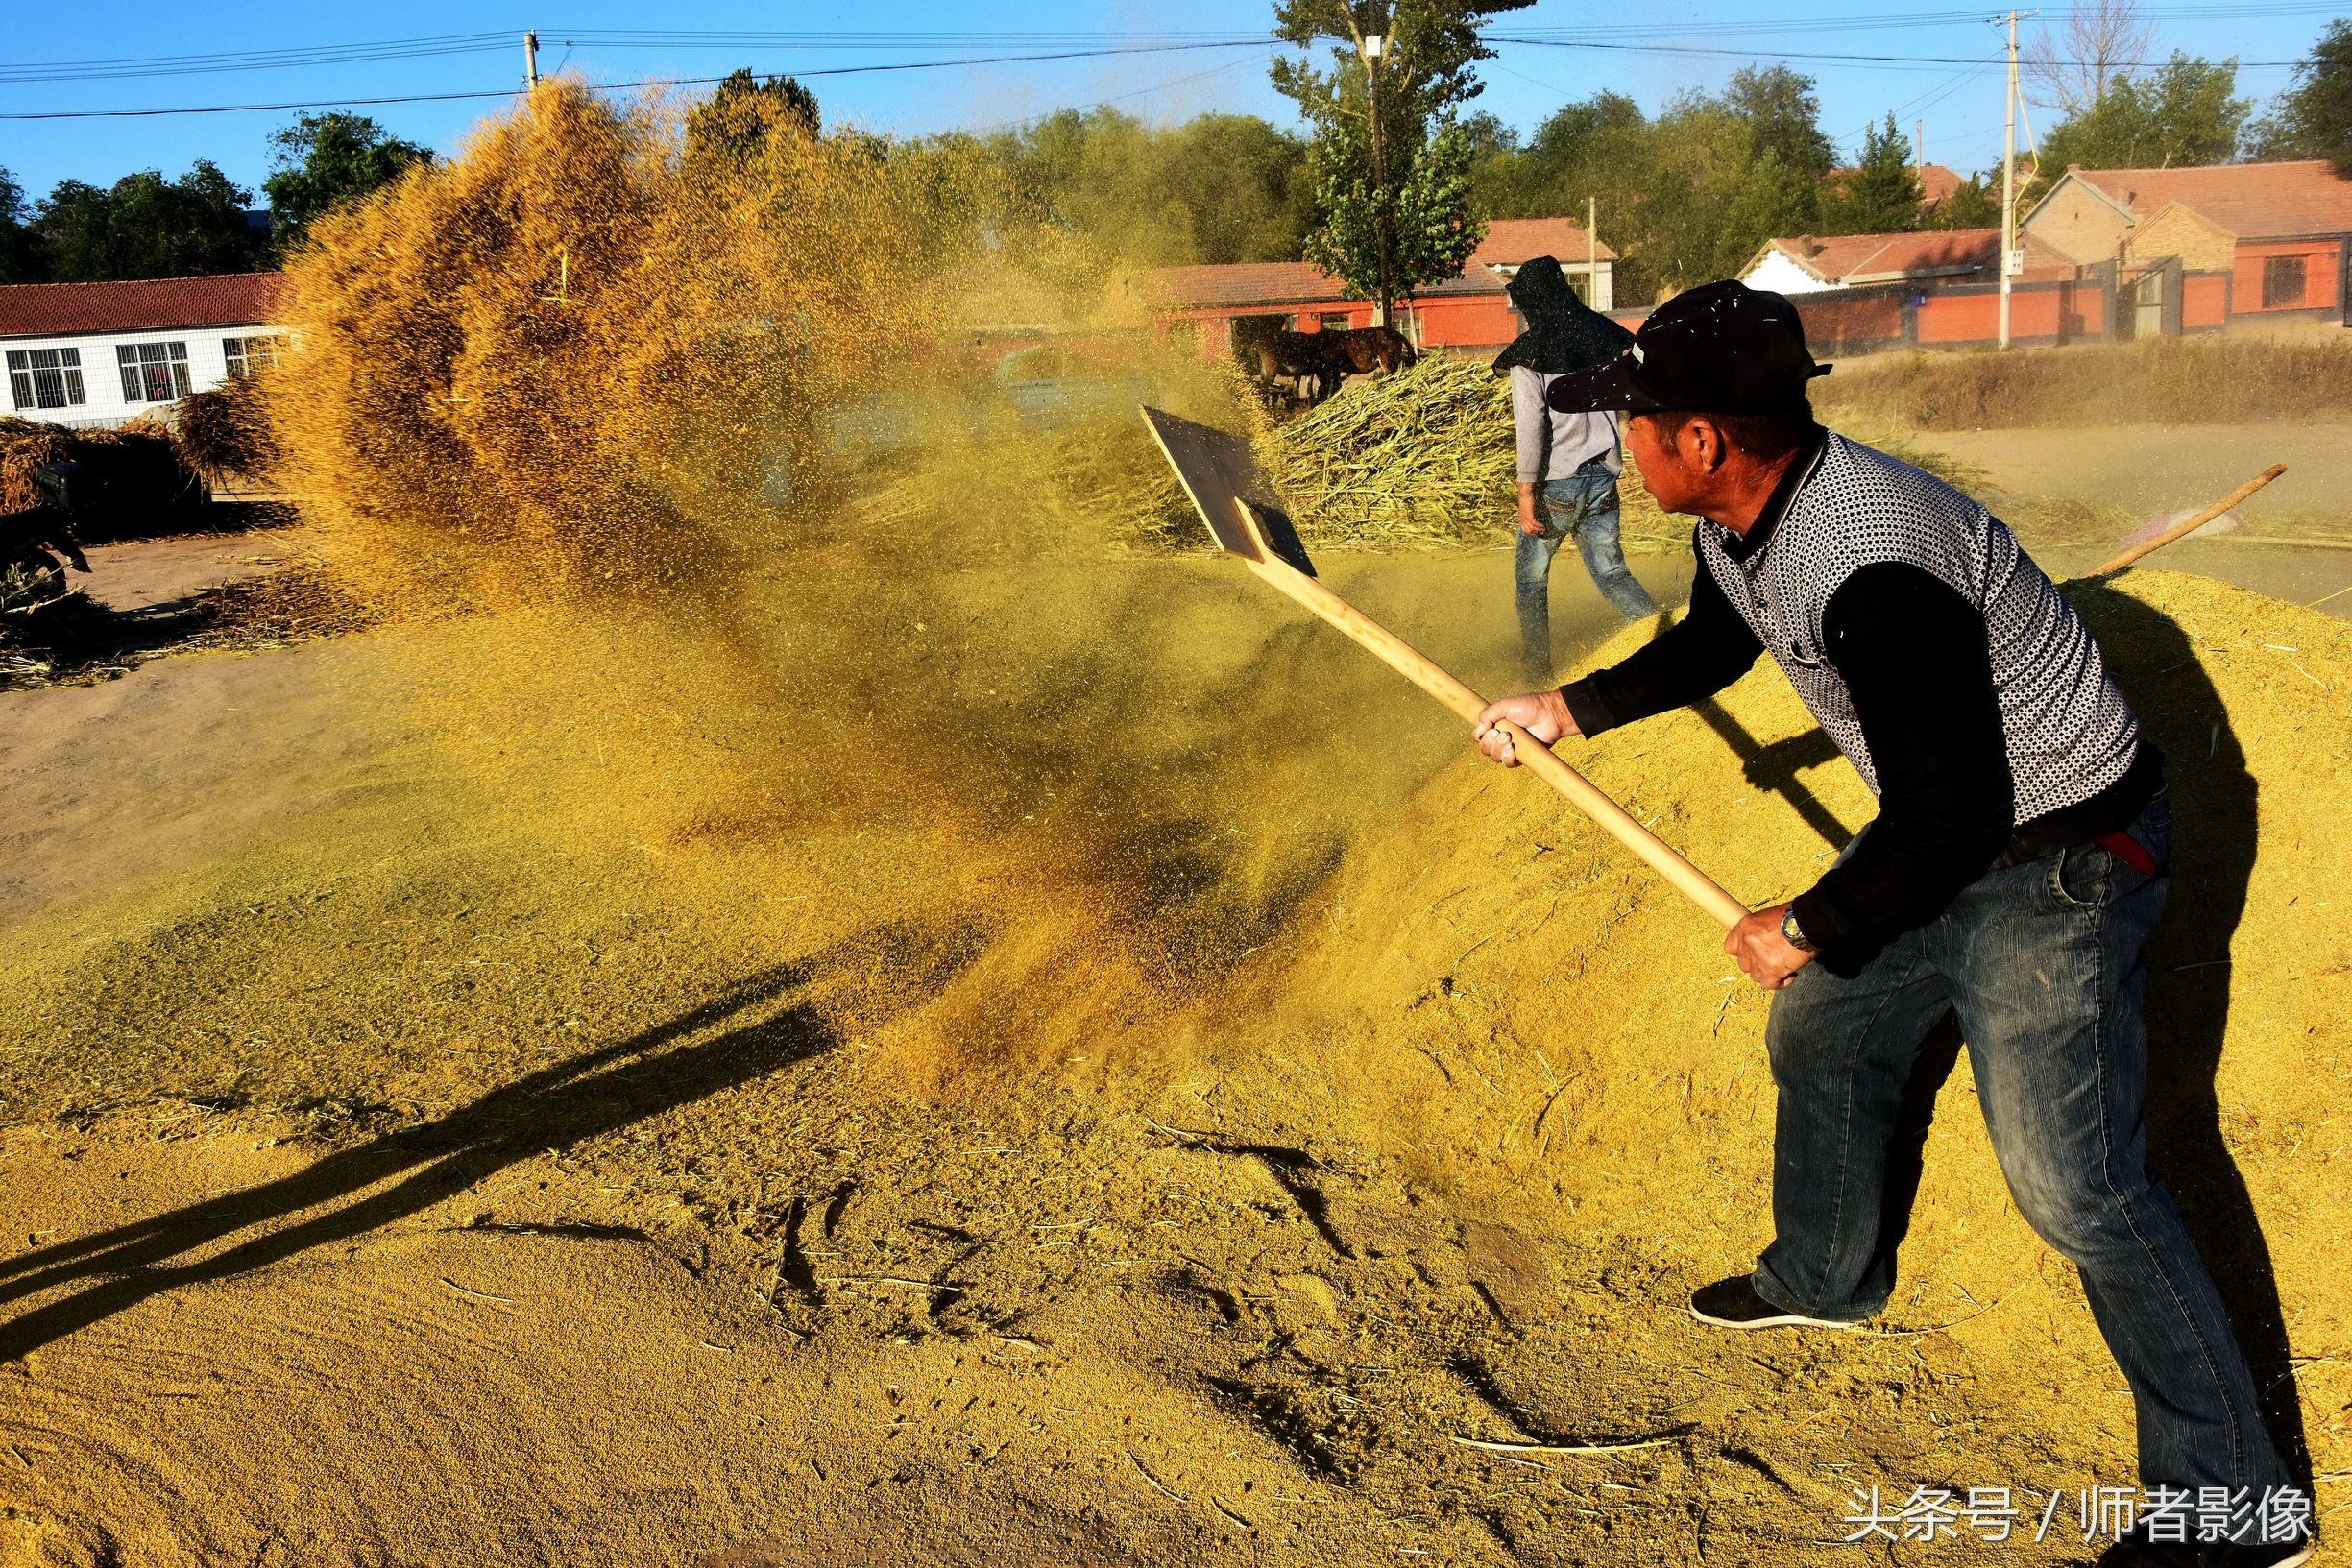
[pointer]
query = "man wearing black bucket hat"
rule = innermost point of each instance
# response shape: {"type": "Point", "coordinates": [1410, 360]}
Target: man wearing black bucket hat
{"type": "Point", "coordinates": [1568, 463]}
{"type": "Point", "coordinates": [2014, 872]}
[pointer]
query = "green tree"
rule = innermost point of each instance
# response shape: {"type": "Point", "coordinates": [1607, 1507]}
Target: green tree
{"type": "Point", "coordinates": [734, 120]}
{"type": "Point", "coordinates": [2185, 112]}
{"type": "Point", "coordinates": [1684, 198]}
{"type": "Point", "coordinates": [1783, 113]}
{"type": "Point", "coordinates": [1880, 194]}
{"type": "Point", "coordinates": [1432, 233]}
{"type": "Point", "coordinates": [20, 255]}
{"type": "Point", "coordinates": [321, 159]}
{"type": "Point", "coordinates": [145, 226]}
{"type": "Point", "coordinates": [1220, 188]}
{"type": "Point", "coordinates": [2313, 118]}
{"type": "Point", "coordinates": [1375, 119]}
{"type": "Point", "coordinates": [1974, 204]}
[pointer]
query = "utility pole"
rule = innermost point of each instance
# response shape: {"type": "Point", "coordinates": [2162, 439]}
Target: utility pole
{"type": "Point", "coordinates": [1372, 46]}
{"type": "Point", "coordinates": [1593, 252]}
{"type": "Point", "coordinates": [2008, 182]}
{"type": "Point", "coordinates": [530, 59]}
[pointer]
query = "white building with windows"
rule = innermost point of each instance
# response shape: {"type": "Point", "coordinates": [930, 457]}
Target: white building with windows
{"type": "Point", "coordinates": [95, 354]}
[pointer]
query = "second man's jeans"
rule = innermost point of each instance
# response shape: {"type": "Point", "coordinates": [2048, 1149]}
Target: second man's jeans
{"type": "Point", "coordinates": [2045, 965]}
{"type": "Point", "coordinates": [1584, 504]}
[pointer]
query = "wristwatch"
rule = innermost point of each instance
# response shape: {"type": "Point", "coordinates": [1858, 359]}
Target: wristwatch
{"type": "Point", "coordinates": [1794, 933]}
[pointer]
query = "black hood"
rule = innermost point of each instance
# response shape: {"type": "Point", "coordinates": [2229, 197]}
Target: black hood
{"type": "Point", "coordinates": [1564, 333]}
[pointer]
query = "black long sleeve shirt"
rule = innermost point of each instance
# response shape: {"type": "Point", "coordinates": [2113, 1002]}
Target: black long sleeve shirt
{"type": "Point", "coordinates": [1913, 654]}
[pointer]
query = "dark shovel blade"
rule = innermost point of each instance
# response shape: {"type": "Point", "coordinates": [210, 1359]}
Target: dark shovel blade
{"type": "Point", "coordinates": [1219, 473]}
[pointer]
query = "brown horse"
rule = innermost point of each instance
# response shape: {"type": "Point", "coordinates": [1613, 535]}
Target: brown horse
{"type": "Point", "coordinates": [1324, 359]}
{"type": "Point", "coordinates": [1368, 348]}
{"type": "Point", "coordinates": [1308, 358]}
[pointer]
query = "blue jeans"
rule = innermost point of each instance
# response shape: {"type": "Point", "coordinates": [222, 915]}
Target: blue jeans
{"type": "Point", "coordinates": [2045, 965]}
{"type": "Point", "coordinates": [1585, 505]}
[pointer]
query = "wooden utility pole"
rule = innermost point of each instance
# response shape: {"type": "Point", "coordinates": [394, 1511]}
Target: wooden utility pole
{"type": "Point", "coordinates": [530, 59]}
{"type": "Point", "coordinates": [1593, 252]}
{"type": "Point", "coordinates": [2008, 182]}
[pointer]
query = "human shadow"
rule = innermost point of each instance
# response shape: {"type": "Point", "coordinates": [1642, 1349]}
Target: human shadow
{"type": "Point", "coordinates": [2216, 807]}
{"type": "Point", "coordinates": [552, 1109]}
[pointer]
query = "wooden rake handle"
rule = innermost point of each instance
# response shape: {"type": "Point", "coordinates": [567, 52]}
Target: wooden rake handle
{"type": "Point", "coordinates": [1414, 666]}
{"type": "Point", "coordinates": [2182, 530]}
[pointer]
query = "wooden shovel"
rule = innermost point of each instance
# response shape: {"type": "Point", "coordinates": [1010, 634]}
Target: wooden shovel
{"type": "Point", "coordinates": [1222, 478]}
{"type": "Point", "coordinates": [2183, 529]}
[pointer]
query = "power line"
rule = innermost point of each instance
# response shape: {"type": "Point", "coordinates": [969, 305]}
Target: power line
{"type": "Point", "coordinates": [620, 86]}
{"type": "Point", "coordinates": [1800, 57]}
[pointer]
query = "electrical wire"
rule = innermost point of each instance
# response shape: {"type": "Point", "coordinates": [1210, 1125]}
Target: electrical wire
{"type": "Point", "coordinates": [618, 87]}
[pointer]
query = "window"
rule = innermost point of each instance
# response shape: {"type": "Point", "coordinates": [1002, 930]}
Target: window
{"type": "Point", "coordinates": [2282, 280]}
{"type": "Point", "coordinates": [46, 377]}
{"type": "Point", "coordinates": [152, 373]}
{"type": "Point", "coordinates": [246, 355]}
{"type": "Point", "coordinates": [1336, 322]}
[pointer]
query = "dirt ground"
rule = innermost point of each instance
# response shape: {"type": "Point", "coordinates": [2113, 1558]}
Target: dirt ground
{"type": "Point", "coordinates": [409, 1168]}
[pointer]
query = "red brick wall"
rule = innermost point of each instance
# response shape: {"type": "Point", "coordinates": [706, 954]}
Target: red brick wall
{"type": "Point", "coordinates": [2036, 312]}
{"type": "Point", "coordinates": [1476, 320]}
{"type": "Point", "coordinates": [2319, 260]}
{"type": "Point", "coordinates": [2204, 300]}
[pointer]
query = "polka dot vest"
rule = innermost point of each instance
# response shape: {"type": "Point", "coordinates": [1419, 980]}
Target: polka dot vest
{"type": "Point", "coordinates": [2069, 733]}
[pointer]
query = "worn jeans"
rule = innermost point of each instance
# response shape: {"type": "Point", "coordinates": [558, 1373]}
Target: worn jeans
{"type": "Point", "coordinates": [2045, 965]}
{"type": "Point", "coordinates": [1584, 504]}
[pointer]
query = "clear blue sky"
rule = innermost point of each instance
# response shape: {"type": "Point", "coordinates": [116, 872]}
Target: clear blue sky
{"type": "Point", "coordinates": [1526, 82]}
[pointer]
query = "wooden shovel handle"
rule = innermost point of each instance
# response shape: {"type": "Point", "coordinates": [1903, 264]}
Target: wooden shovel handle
{"type": "Point", "coordinates": [2182, 530]}
{"type": "Point", "coordinates": [1537, 758]}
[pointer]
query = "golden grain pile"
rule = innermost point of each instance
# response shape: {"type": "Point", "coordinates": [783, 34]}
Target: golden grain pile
{"type": "Point", "coordinates": [1523, 991]}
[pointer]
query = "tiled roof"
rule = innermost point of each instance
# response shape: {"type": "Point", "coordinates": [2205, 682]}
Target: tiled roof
{"type": "Point", "coordinates": [1928, 253]}
{"type": "Point", "coordinates": [59, 310]}
{"type": "Point", "coordinates": [1509, 241]}
{"type": "Point", "coordinates": [1248, 283]}
{"type": "Point", "coordinates": [2251, 201]}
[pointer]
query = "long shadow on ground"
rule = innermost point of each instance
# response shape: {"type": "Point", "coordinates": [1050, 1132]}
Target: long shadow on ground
{"type": "Point", "coordinates": [2215, 808]}
{"type": "Point", "coordinates": [562, 1105]}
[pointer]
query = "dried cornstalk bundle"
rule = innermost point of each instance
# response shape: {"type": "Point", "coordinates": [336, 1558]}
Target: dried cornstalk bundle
{"type": "Point", "coordinates": [143, 488]}
{"type": "Point", "coordinates": [223, 434]}
{"type": "Point", "coordinates": [1422, 459]}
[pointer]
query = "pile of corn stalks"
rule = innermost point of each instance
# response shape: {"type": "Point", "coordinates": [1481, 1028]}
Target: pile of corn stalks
{"type": "Point", "coordinates": [1425, 459]}
{"type": "Point", "coordinates": [1422, 459]}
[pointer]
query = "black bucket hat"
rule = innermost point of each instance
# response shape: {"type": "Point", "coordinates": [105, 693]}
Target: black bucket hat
{"type": "Point", "coordinates": [1718, 349]}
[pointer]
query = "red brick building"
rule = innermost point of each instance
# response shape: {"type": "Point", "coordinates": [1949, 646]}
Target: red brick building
{"type": "Point", "coordinates": [2197, 249]}
{"type": "Point", "coordinates": [1468, 311]}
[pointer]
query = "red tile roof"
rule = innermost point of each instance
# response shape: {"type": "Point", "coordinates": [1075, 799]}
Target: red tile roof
{"type": "Point", "coordinates": [2251, 201]}
{"type": "Point", "coordinates": [1886, 258]}
{"type": "Point", "coordinates": [1248, 283]}
{"type": "Point", "coordinates": [1509, 241]}
{"type": "Point", "coordinates": [61, 309]}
